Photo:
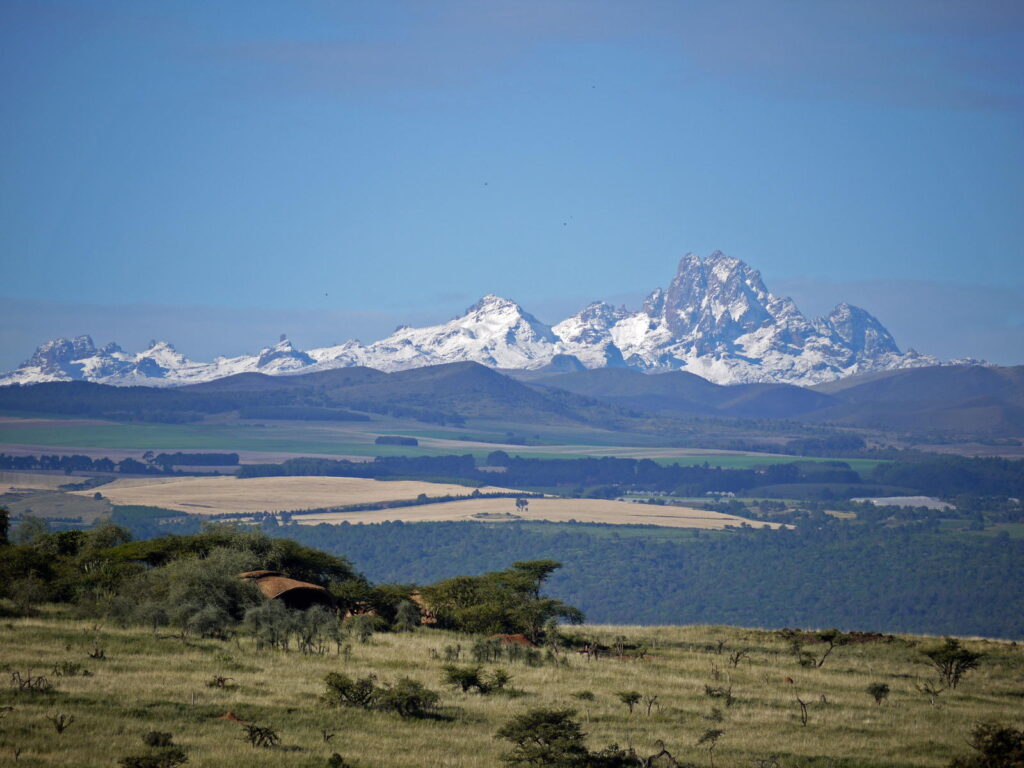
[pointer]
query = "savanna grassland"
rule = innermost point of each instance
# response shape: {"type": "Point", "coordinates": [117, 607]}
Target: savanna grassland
{"type": "Point", "coordinates": [161, 682]}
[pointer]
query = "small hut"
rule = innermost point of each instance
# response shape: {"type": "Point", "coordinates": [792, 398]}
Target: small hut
{"type": "Point", "coordinates": [297, 595]}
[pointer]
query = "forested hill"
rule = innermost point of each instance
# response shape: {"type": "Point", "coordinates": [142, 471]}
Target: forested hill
{"type": "Point", "coordinates": [825, 573]}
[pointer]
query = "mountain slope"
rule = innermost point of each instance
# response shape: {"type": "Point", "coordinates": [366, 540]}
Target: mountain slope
{"type": "Point", "coordinates": [681, 393]}
{"type": "Point", "coordinates": [958, 399]}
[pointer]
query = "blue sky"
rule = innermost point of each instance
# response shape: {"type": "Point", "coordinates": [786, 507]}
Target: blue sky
{"type": "Point", "coordinates": [219, 173]}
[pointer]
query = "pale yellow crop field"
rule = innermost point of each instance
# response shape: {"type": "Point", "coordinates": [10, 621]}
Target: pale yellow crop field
{"type": "Point", "coordinates": [549, 509]}
{"type": "Point", "coordinates": [216, 495]}
{"type": "Point", "coordinates": [14, 481]}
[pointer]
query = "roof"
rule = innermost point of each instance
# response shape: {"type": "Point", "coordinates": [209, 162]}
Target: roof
{"type": "Point", "coordinates": [274, 584]}
{"type": "Point", "coordinates": [258, 574]}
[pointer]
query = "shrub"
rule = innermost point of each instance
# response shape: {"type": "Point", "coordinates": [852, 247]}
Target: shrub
{"type": "Point", "coordinates": [342, 690]}
{"type": "Point", "coordinates": [878, 691]}
{"type": "Point", "coordinates": [407, 698]}
{"type": "Point", "coordinates": [463, 677]}
{"type": "Point", "coordinates": [545, 737]}
{"type": "Point", "coordinates": [163, 754]}
{"type": "Point", "coordinates": [997, 746]}
{"type": "Point", "coordinates": [158, 739]}
{"type": "Point", "coordinates": [260, 736]}
{"type": "Point", "coordinates": [168, 758]}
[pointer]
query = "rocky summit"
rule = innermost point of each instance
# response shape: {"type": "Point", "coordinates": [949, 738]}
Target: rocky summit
{"type": "Point", "coordinates": [716, 319]}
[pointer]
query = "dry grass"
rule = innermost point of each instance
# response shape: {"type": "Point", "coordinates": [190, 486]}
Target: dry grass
{"type": "Point", "coordinates": [551, 509]}
{"type": "Point", "coordinates": [148, 684]}
{"type": "Point", "coordinates": [215, 495]}
{"type": "Point", "coordinates": [11, 482]}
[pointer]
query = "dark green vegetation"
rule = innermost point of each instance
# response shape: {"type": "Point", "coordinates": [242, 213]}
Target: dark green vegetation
{"type": "Point", "coordinates": [191, 583]}
{"type": "Point", "coordinates": [610, 477]}
{"type": "Point", "coordinates": [869, 575]}
{"type": "Point", "coordinates": [162, 463]}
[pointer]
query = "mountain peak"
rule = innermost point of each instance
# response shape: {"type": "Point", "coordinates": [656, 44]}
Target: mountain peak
{"type": "Point", "coordinates": [493, 303]}
{"type": "Point", "coordinates": [717, 319]}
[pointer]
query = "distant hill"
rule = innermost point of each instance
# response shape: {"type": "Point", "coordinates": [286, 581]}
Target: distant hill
{"type": "Point", "coordinates": [439, 394]}
{"type": "Point", "coordinates": [680, 393]}
{"type": "Point", "coordinates": [958, 399]}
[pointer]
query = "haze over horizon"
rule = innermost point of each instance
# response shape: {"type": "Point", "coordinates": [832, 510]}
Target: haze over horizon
{"type": "Point", "coordinates": [216, 176]}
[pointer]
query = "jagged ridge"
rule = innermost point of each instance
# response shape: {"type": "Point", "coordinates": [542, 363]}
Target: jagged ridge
{"type": "Point", "coordinates": [717, 319]}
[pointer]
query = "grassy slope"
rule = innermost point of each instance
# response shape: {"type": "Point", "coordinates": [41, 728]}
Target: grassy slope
{"type": "Point", "coordinates": [148, 683]}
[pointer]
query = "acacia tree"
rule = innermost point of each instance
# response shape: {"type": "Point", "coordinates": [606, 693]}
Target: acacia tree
{"type": "Point", "coordinates": [545, 737]}
{"type": "Point", "coordinates": [952, 661]}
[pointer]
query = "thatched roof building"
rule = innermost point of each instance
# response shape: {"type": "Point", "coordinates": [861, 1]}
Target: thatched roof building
{"type": "Point", "coordinates": [299, 595]}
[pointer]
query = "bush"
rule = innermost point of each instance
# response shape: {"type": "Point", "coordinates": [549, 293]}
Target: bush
{"type": "Point", "coordinates": [997, 746]}
{"type": "Point", "coordinates": [545, 737]}
{"type": "Point", "coordinates": [463, 677]}
{"type": "Point", "coordinates": [407, 698]}
{"type": "Point", "coordinates": [342, 690]}
{"type": "Point", "coordinates": [878, 691]}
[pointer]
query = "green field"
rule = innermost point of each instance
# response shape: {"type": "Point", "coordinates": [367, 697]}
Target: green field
{"type": "Point", "coordinates": [331, 439]}
{"type": "Point", "coordinates": [149, 682]}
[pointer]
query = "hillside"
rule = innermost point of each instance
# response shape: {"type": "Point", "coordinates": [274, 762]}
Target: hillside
{"type": "Point", "coordinates": [680, 393]}
{"type": "Point", "coordinates": [150, 682]}
{"type": "Point", "coordinates": [439, 394]}
{"type": "Point", "coordinates": [958, 399]}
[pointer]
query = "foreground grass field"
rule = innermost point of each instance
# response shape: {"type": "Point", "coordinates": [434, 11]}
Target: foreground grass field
{"type": "Point", "coordinates": [160, 683]}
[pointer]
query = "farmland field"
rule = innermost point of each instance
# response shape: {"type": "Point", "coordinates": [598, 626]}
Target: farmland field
{"type": "Point", "coordinates": [13, 481]}
{"type": "Point", "coordinates": [552, 510]}
{"type": "Point", "coordinates": [217, 495]}
{"type": "Point", "coordinates": [276, 441]}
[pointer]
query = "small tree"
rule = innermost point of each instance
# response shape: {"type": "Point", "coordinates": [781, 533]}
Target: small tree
{"type": "Point", "coordinates": [522, 504]}
{"type": "Point", "coordinates": [878, 691]}
{"type": "Point", "coordinates": [833, 637]}
{"type": "Point", "coordinates": [545, 737]}
{"type": "Point", "coordinates": [952, 661]}
{"type": "Point", "coordinates": [463, 677]}
{"type": "Point", "coordinates": [710, 741]}
{"type": "Point", "coordinates": [407, 616]}
{"type": "Point", "coordinates": [629, 698]}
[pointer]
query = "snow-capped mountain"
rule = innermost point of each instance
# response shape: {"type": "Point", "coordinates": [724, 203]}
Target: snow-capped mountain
{"type": "Point", "coordinates": [717, 319]}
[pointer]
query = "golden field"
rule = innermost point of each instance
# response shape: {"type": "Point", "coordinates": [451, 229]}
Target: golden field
{"type": "Point", "coordinates": [549, 509]}
{"type": "Point", "coordinates": [217, 495]}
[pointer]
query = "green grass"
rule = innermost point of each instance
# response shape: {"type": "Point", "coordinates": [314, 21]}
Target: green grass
{"type": "Point", "coordinates": [357, 439]}
{"type": "Point", "coordinates": [160, 683]}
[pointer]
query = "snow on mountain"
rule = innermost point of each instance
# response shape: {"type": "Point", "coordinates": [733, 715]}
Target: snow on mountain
{"type": "Point", "coordinates": [494, 331]}
{"type": "Point", "coordinates": [716, 319]}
